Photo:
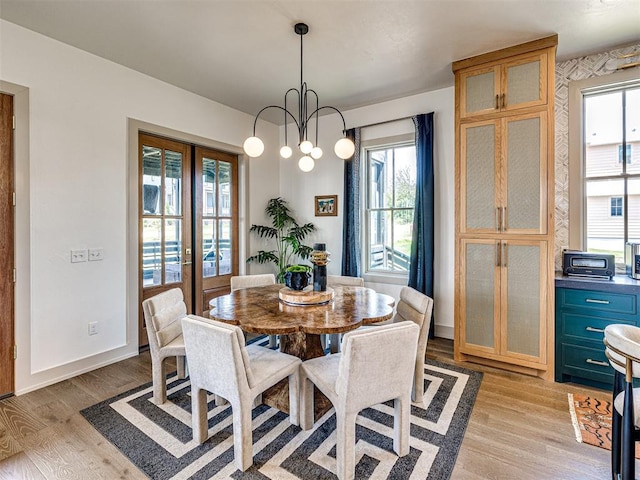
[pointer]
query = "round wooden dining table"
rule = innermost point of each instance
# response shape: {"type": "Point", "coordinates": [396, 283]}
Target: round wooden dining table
{"type": "Point", "coordinates": [260, 310]}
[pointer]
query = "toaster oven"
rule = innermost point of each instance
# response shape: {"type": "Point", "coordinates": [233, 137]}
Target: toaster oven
{"type": "Point", "coordinates": [588, 264]}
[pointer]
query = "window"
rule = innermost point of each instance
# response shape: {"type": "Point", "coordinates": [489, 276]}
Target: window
{"type": "Point", "coordinates": [390, 181]}
{"type": "Point", "coordinates": [611, 182]}
{"type": "Point", "coordinates": [616, 206]}
{"type": "Point", "coordinates": [627, 155]}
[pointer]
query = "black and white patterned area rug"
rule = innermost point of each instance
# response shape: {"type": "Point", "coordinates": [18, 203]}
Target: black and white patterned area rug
{"type": "Point", "coordinates": [158, 439]}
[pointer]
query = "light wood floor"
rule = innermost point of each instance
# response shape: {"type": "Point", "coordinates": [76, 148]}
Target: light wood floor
{"type": "Point", "coordinates": [520, 429]}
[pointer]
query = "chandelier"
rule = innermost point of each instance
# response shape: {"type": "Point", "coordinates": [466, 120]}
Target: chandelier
{"type": "Point", "coordinates": [344, 147]}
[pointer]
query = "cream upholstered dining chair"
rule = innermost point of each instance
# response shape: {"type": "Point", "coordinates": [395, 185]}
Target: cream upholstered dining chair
{"type": "Point", "coordinates": [374, 367]}
{"type": "Point", "coordinates": [341, 281]}
{"type": "Point", "coordinates": [622, 347]}
{"type": "Point", "coordinates": [162, 316]}
{"type": "Point", "coordinates": [219, 362]}
{"type": "Point", "coordinates": [261, 280]}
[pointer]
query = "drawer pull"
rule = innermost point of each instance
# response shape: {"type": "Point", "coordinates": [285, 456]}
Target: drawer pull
{"type": "Point", "coordinates": [593, 300]}
{"type": "Point", "coordinates": [591, 329]}
{"type": "Point", "coordinates": [597, 362]}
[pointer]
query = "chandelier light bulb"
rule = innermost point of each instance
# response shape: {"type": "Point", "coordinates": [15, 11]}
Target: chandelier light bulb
{"type": "Point", "coordinates": [306, 147]}
{"type": "Point", "coordinates": [253, 147]}
{"type": "Point", "coordinates": [306, 163]}
{"type": "Point", "coordinates": [316, 153]}
{"type": "Point", "coordinates": [286, 152]}
{"type": "Point", "coordinates": [344, 148]}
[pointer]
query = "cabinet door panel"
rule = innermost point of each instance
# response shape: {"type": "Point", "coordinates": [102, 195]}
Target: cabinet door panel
{"type": "Point", "coordinates": [524, 82]}
{"type": "Point", "coordinates": [479, 177]}
{"type": "Point", "coordinates": [480, 308]}
{"type": "Point", "coordinates": [526, 173]}
{"type": "Point", "coordinates": [524, 286]}
{"type": "Point", "coordinates": [479, 90]}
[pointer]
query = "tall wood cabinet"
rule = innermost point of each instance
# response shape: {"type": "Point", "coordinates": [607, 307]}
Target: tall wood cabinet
{"type": "Point", "coordinates": [504, 208]}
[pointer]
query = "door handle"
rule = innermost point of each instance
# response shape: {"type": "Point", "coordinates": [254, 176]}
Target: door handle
{"type": "Point", "coordinates": [186, 263]}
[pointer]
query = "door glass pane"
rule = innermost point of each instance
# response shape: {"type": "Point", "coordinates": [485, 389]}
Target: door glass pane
{"type": "Point", "coordinates": [379, 237]}
{"type": "Point", "coordinates": [210, 249]}
{"type": "Point", "coordinates": [480, 93]}
{"type": "Point", "coordinates": [605, 216]}
{"type": "Point", "coordinates": [151, 180]}
{"type": "Point", "coordinates": [173, 183]}
{"type": "Point", "coordinates": [224, 232]}
{"type": "Point", "coordinates": [523, 299]}
{"type": "Point", "coordinates": [523, 174]}
{"type": "Point", "coordinates": [523, 83]}
{"type": "Point", "coordinates": [479, 294]}
{"type": "Point", "coordinates": [224, 201]}
{"type": "Point", "coordinates": [151, 252]}
{"type": "Point", "coordinates": [480, 176]}
{"type": "Point", "coordinates": [208, 187]}
{"type": "Point", "coordinates": [173, 250]}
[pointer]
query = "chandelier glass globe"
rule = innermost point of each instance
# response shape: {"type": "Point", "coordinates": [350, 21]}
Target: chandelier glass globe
{"type": "Point", "coordinates": [344, 148]}
{"type": "Point", "coordinates": [286, 152]}
{"type": "Point", "coordinates": [306, 163]}
{"type": "Point", "coordinates": [253, 147]}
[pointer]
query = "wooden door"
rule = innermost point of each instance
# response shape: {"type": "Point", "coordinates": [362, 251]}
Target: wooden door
{"type": "Point", "coordinates": [479, 91]}
{"type": "Point", "coordinates": [216, 225]}
{"type": "Point", "coordinates": [165, 228]}
{"type": "Point", "coordinates": [7, 264]}
{"type": "Point", "coordinates": [524, 82]}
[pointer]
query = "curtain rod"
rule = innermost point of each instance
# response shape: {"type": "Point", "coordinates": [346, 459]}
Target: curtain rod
{"type": "Point", "coordinates": [387, 121]}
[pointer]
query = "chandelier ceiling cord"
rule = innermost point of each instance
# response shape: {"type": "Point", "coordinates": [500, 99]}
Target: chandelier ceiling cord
{"type": "Point", "coordinates": [344, 147]}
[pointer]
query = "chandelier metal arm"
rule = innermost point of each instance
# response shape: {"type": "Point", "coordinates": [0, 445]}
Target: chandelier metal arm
{"type": "Point", "coordinates": [255, 121]}
{"type": "Point", "coordinates": [344, 124]}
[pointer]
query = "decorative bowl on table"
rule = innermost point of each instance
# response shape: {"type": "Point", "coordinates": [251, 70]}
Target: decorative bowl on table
{"type": "Point", "coordinates": [297, 280]}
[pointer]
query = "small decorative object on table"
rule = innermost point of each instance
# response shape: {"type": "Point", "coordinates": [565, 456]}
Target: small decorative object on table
{"type": "Point", "coordinates": [297, 277]}
{"type": "Point", "coordinates": [319, 258]}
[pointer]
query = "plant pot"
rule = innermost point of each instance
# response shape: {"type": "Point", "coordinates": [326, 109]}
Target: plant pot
{"type": "Point", "coordinates": [297, 280]}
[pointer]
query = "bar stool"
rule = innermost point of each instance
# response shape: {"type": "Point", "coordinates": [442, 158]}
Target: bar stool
{"type": "Point", "coordinates": [622, 344]}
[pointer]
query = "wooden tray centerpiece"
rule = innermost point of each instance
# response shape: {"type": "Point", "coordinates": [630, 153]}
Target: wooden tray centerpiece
{"type": "Point", "coordinates": [306, 296]}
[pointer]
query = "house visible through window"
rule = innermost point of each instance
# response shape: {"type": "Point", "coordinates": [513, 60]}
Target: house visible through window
{"type": "Point", "coordinates": [611, 122]}
{"type": "Point", "coordinates": [390, 180]}
{"type": "Point", "coordinates": [616, 206]}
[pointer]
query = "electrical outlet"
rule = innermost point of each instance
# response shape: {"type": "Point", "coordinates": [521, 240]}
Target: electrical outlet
{"type": "Point", "coordinates": [78, 256]}
{"type": "Point", "coordinates": [96, 254]}
{"type": "Point", "coordinates": [93, 328]}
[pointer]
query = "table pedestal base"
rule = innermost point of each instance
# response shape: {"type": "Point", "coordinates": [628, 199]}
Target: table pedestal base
{"type": "Point", "coordinates": [304, 346]}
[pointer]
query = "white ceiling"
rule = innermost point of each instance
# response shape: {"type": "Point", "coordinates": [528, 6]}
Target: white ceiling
{"type": "Point", "coordinates": [245, 54]}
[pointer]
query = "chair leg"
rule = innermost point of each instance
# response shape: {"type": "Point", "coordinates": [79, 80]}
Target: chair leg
{"type": "Point", "coordinates": [628, 442]}
{"type": "Point", "coordinates": [242, 436]}
{"type": "Point", "coordinates": [306, 402]}
{"type": "Point", "coordinates": [294, 398]}
{"type": "Point", "coordinates": [181, 366]}
{"type": "Point", "coordinates": [417, 392]}
{"type": "Point", "coordinates": [616, 426]}
{"type": "Point", "coordinates": [345, 445]}
{"type": "Point", "coordinates": [159, 382]}
{"type": "Point", "coordinates": [401, 425]}
{"type": "Point", "coordinates": [199, 422]}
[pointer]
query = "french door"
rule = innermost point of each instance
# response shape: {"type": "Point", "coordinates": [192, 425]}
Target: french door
{"type": "Point", "coordinates": [188, 227]}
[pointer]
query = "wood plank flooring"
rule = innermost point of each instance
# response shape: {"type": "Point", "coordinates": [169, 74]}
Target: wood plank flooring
{"type": "Point", "coordinates": [520, 428]}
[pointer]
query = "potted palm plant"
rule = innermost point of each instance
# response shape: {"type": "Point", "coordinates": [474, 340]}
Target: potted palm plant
{"type": "Point", "coordinates": [288, 235]}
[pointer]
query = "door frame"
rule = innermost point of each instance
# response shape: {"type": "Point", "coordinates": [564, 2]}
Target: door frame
{"type": "Point", "coordinates": [133, 128]}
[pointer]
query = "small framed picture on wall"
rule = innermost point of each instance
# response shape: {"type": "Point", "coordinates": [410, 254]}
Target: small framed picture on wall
{"type": "Point", "coordinates": [326, 205]}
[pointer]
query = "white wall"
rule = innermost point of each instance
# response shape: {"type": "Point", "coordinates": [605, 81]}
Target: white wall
{"type": "Point", "coordinates": [326, 178]}
{"type": "Point", "coordinates": [73, 183]}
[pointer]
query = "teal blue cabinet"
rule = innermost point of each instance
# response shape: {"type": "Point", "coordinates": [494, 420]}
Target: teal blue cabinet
{"type": "Point", "coordinates": [582, 313]}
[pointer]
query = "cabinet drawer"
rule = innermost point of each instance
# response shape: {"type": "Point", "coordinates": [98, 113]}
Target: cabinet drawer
{"type": "Point", "coordinates": [599, 301]}
{"type": "Point", "coordinates": [586, 327]}
{"type": "Point", "coordinates": [585, 362]}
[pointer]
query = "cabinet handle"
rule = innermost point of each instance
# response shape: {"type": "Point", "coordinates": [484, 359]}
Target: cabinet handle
{"type": "Point", "coordinates": [498, 257]}
{"type": "Point", "coordinates": [504, 98]}
{"type": "Point", "coordinates": [597, 362]}
{"type": "Point", "coordinates": [505, 253]}
{"type": "Point", "coordinates": [497, 102]}
{"type": "Point", "coordinates": [503, 219]}
{"type": "Point", "coordinates": [498, 218]}
{"type": "Point", "coordinates": [597, 330]}
{"type": "Point", "coordinates": [593, 300]}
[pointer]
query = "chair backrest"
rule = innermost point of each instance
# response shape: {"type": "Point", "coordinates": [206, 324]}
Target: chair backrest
{"type": "Point", "coordinates": [623, 342]}
{"type": "Point", "coordinates": [376, 364]}
{"type": "Point", "coordinates": [162, 315]}
{"type": "Point", "coordinates": [344, 281]}
{"type": "Point", "coordinates": [416, 307]}
{"type": "Point", "coordinates": [248, 281]}
{"type": "Point", "coordinates": [217, 358]}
